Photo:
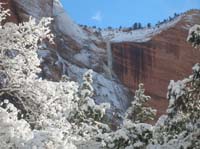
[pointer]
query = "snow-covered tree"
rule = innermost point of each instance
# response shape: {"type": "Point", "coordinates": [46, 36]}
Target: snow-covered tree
{"type": "Point", "coordinates": [139, 112]}
{"type": "Point", "coordinates": [87, 108]}
{"type": "Point", "coordinates": [133, 133]}
{"type": "Point", "coordinates": [13, 132]}
{"type": "Point", "coordinates": [17, 133]}
{"type": "Point", "coordinates": [129, 135]}
{"type": "Point", "coordinates": [47, 106]}
{"type": "Point", "coordinates": [86, 117]}
{"type": "Point", "coordinates": [4, 13]}
{"type": "Point", "coordinates": [180, 127]}
{"type": "Point", "coordinates": [194, 36]}
{"type": "Point", "coordinates": [19, 63]}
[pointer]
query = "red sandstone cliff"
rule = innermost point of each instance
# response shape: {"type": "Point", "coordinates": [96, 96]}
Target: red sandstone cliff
{"type": "Point", "coordinates": [167, 56]}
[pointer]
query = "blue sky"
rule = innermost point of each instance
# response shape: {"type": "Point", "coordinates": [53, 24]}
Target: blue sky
{"type": "Point", "coordinates": [103, 13]}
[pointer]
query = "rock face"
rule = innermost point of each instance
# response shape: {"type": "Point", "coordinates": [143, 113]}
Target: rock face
{"type": "Point", "coordinates": [167, 56]}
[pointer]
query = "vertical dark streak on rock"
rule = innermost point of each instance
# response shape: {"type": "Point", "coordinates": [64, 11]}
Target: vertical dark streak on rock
{"type": "Point", "coordinates": [15, 11]}
{"type": "Point", "coordinates": [132, 62]}
{"type": "Point", "coordinates": [137, 63]}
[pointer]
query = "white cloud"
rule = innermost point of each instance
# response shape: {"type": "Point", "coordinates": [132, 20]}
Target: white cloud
{"type": "Point", "coordinates": [97, 17]}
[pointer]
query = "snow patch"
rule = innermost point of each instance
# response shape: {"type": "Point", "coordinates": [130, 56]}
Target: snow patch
{"type": "Point", "coordinates": [83, 57]}
{"type": "Point", "coordinates": [34, 9]}
{"type": "Point", "coordinates": [105, 90]}
{"type": "Point", "coordinates": [43, 53]}
{"type": "Point", "coordinates": [190, 18]}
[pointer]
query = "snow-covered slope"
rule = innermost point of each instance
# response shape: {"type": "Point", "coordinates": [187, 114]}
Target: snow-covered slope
{"type": "Point", "coordinates": [66, 25]}
{"type": "Point", "coordinates": [140, 35]}
{"type": "Point", "coordinates": [106, 90]}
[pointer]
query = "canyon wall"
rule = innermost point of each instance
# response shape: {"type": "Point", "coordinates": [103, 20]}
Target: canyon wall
{"type": "Point", "coordinates": [167, 56]}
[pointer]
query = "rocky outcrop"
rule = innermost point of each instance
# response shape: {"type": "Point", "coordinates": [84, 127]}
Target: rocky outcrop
{"type": "Point", "coordinates": [167, 56]}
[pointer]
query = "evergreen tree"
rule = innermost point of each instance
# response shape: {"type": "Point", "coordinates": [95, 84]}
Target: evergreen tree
{"type": "Point", "coordinates": [149, 25]}
{"type": "Point", "coordinates": [180, 127]}
{"type": "Point", "coordinates": [133, 133]}
{"type": "Point", "coordinates": [164, 21]}
{"type": "Point", "coordinates": [135, 26]}
{"type": "Point", "coordinates": [138, 112]}
{"type": "Point", "coordinates": [87, 108]}
{"type": "Point", "coordinates": [139, 25]}
{"type": "Point", "coordinates": [170, 18]}
{"type": "Point", "coordinates": [175, 15]}
{"type": "Point", "coordinates": [109, 28]}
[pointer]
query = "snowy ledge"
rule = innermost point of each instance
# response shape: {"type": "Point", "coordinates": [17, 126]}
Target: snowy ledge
{"type": "Point", "coordinates": [141, 35]}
